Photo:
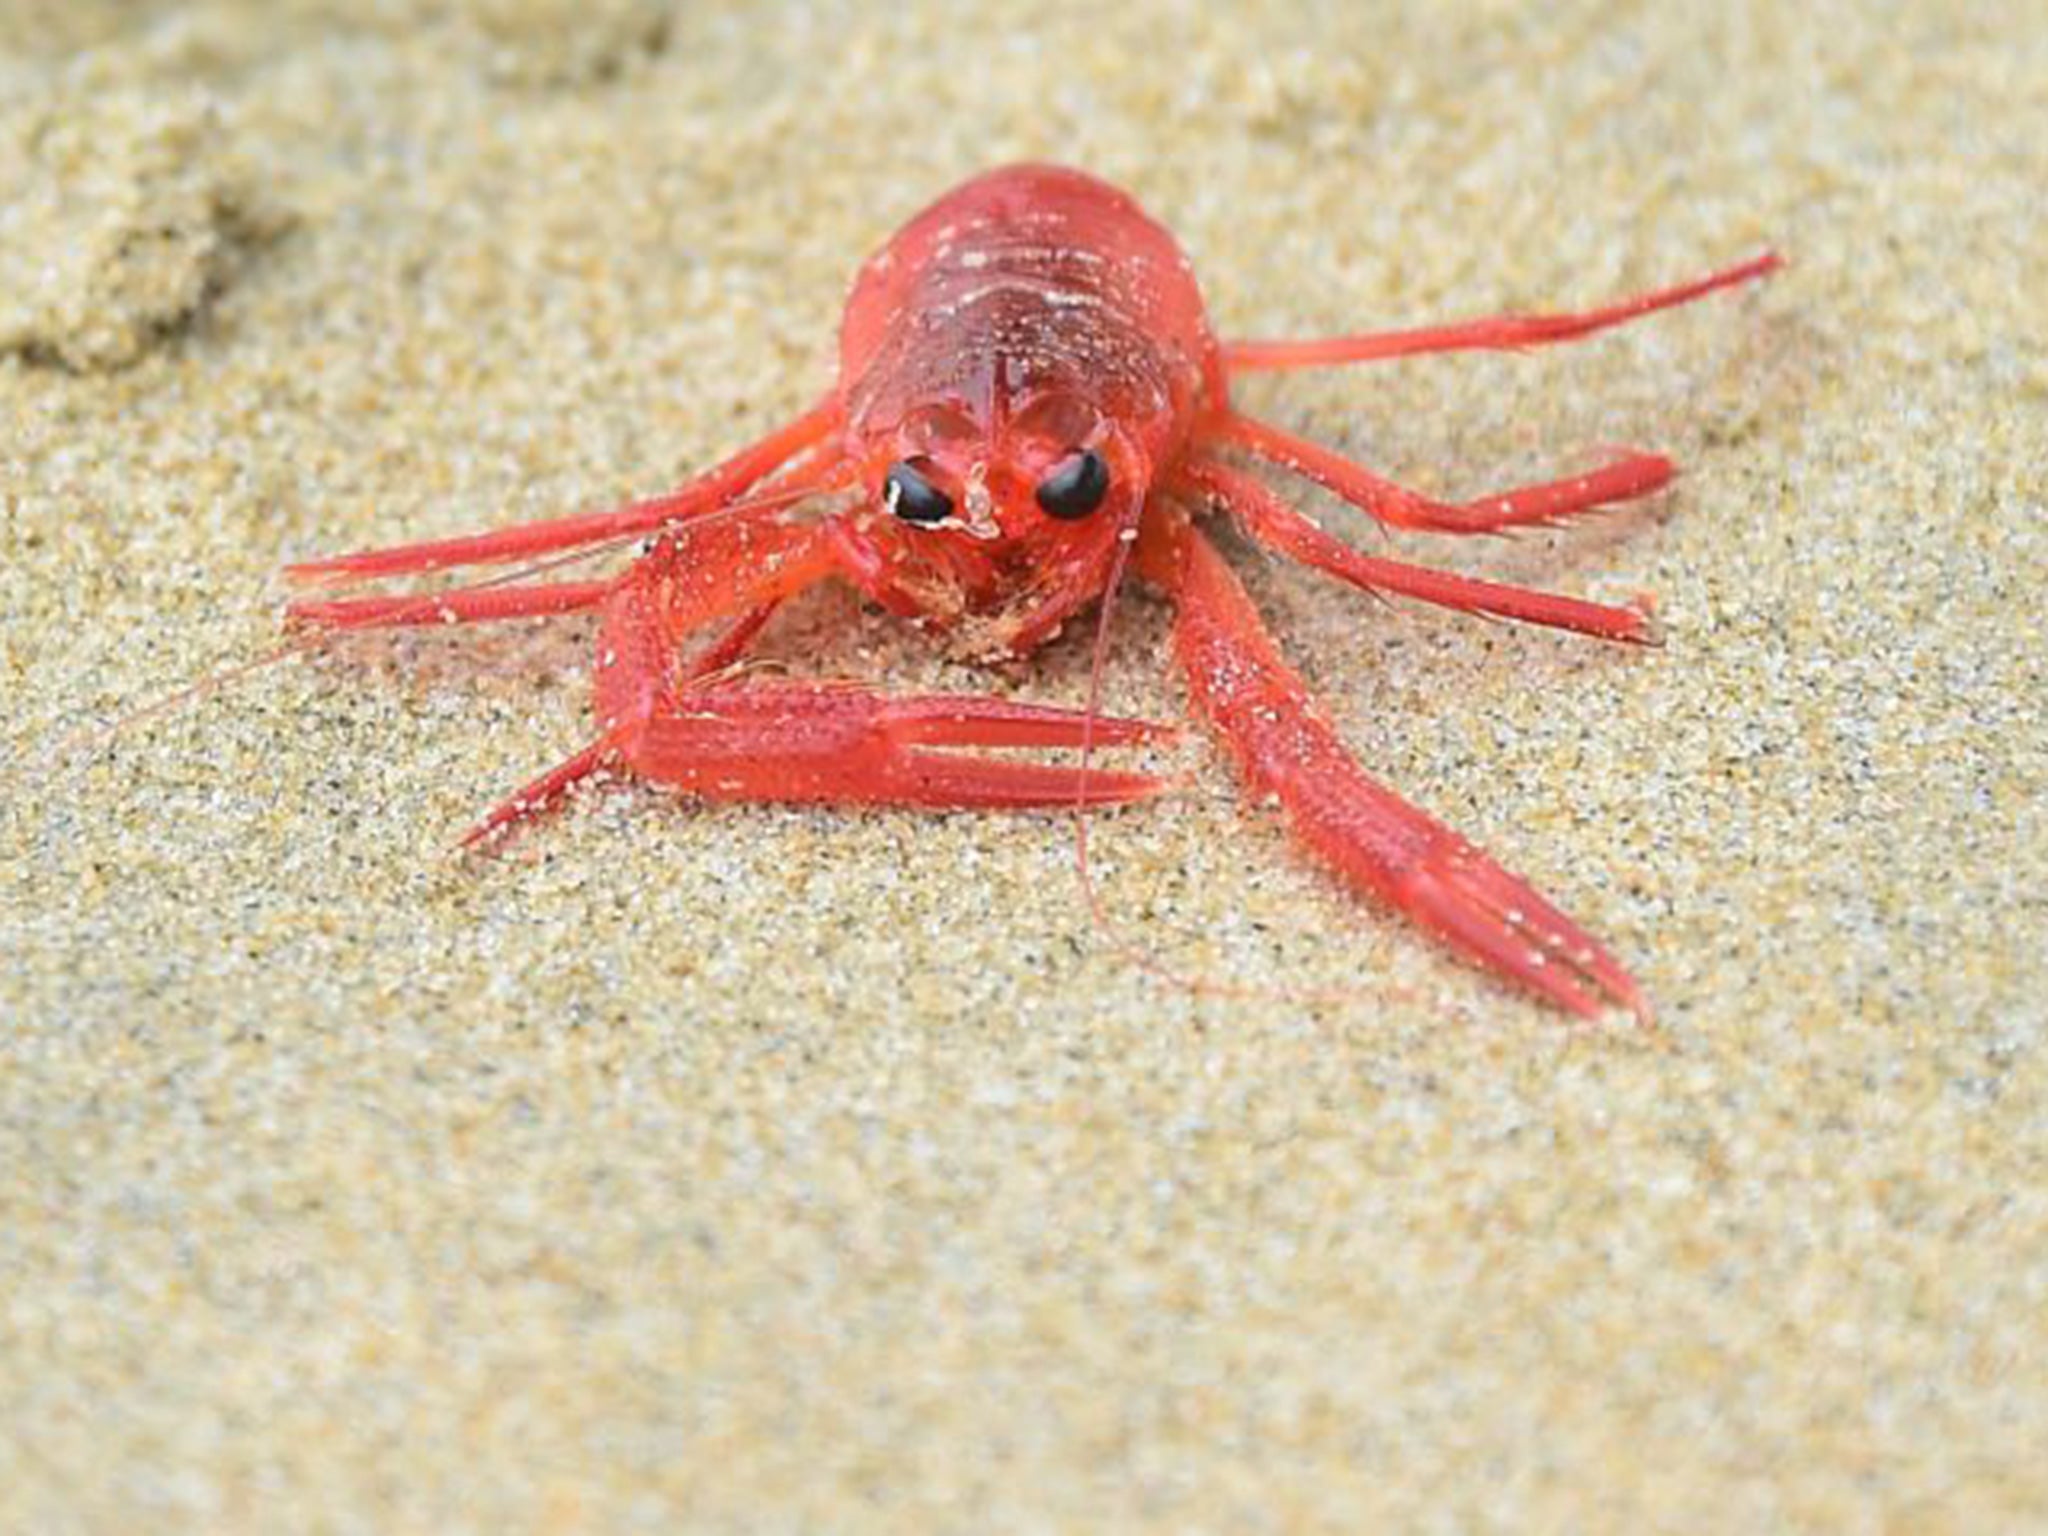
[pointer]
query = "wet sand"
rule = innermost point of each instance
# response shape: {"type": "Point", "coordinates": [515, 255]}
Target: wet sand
{"type": "Point", "coordinates": [778, 1169]}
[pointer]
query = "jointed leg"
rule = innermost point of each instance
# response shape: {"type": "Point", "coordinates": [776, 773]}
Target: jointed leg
{"type": "Point", "coordinates": [1635, 475]}
{"type": "Point", "coordinates": [709, 490]}
{"type": "Point", "coordinates": [1495, 333]}
{"type": "Point", "coordinates": [1279, 527]}
{"type": "Point", "coordinates": [1375, 840]}
{"type": "Point", "coordinates": [542, 794]}
{"type": "Point", "coordinates": [477, 606]}
{"type": "Point", "coordinates": [730, 648]}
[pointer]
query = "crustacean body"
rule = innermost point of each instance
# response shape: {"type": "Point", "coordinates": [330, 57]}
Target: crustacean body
{"type": "Point", "coordinates": [1030, 401]}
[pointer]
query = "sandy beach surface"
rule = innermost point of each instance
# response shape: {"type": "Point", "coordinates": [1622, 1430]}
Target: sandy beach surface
{"type": "Point", "coordinates": [778, 1169]}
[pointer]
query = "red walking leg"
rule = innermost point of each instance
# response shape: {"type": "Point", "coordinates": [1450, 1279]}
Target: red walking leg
{"type": "Point", "coordinates": [1629, 477]}
{"type": "Point", "coordinates": [1375, 840]}
{"type": "Point", "coordinates": [1282, 529]}
{"type": "Point", "coordinates": [1495, 333]}
{"type": "Point", "coordinates": [709, 490]}
{"type": "Point", "coordinates": [543, 794]}
{"type": "Point", "coordinates": [479, 605]}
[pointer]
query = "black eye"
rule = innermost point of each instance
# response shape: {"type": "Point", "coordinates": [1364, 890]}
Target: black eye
{"type": "Point", "coordinates": [913, 498]}
{"type": "Point", "coordinates": [1077, 487]}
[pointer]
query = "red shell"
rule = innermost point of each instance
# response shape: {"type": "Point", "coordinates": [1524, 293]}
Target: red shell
{"type": "Point", "coordinates": [1029, 281]}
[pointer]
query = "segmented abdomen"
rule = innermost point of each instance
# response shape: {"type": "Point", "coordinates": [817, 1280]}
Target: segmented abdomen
{"type": "Point", "coordinates": [1028, 278]}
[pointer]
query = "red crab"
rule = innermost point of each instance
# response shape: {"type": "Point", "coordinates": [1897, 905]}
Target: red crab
{"type": "Point", "coordinates": [1030, 398]}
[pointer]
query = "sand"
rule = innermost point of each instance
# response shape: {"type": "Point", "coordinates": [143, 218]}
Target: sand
{"type": "Point", "coordinates": [778, 1169]}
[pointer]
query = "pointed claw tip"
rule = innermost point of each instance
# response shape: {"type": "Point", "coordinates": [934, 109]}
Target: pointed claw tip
{"type": "Point", "coordinates": [1630, 1005]}
{"type": "Point", "coordinates": [1144, 786]}
{"type": "Point", "coordinates": [316, 573]}
{"type": "Point", "coordinates": [1624, 1011]}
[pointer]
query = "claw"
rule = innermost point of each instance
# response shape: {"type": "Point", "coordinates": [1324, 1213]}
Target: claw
{"type": "Point", "coordinates": [944, 779]}
{"type": "Point", "coordinates": [1369, 835]}
{"type": "Point", "coordinates": [846, 746]}
{"type": "Point", "coordinates": [1503, 921]}
{"type": "Point", "coordinates": [966, 721]}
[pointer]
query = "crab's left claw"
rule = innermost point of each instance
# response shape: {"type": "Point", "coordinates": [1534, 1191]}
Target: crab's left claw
{"type": "Point", "coordinates": [1368, 834]}
{"type": "Point", "coordinates": [849, 746]}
